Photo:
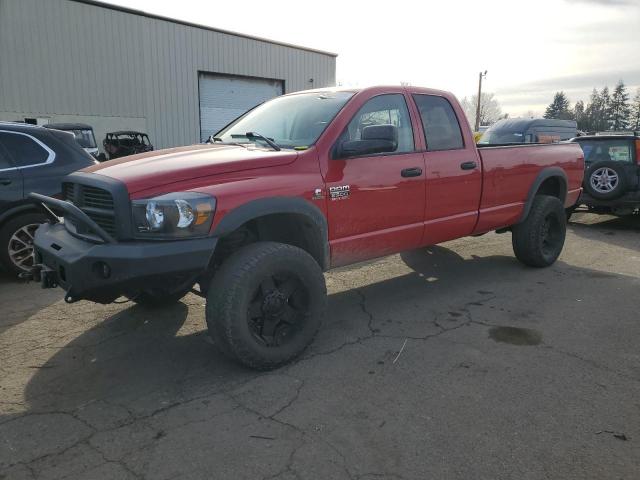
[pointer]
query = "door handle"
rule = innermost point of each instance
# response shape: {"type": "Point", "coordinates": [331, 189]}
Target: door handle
{"type": "Point", "coordinates": [5, 181]}
{"type": "Point", "coordinates": [468, 165]}
{"type": "Point", "coordinates": [411, 172]}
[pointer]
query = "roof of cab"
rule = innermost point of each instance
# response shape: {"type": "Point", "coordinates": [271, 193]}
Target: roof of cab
{"type": "Point", "coordinates": [69, 126]}
{"type": "Point", "coordinates": [380, 89]}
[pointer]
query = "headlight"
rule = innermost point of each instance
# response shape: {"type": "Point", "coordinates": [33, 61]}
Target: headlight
{"type": "Point", "coordinates": [175, 215]}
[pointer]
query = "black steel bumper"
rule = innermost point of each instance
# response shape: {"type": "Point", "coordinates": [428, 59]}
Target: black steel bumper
{"type": "Point", "coordinates": [101, 272]}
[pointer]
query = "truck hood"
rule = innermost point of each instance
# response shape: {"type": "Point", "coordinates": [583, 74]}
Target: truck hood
{"type": "Point", "coordinates": [162, 167]}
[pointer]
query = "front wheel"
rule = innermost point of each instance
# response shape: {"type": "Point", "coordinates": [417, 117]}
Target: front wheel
{"type": "Point", "coordinates": [16, 242]}
{"type": "Point", "coordinates": [265, 304]}
{"type": "Point", "coordinates": [538, 240]}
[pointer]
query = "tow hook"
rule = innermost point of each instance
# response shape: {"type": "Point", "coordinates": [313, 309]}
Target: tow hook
{"type": "Point", "coordinates": [69, 299]}
{"type": "Point", "coordinates": [41, 273]}
{"type": "Point", "coordinates": [33, 275]}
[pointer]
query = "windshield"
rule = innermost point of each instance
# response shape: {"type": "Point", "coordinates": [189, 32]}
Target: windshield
{"type": "Point", "coordinates": [294, 121]}
{"type": "Point", "coordinates": [84, 137]}
{"type": "Point", "coordinates": [617, 150]}
{"type": "Point", "coordinates": [500, 137]}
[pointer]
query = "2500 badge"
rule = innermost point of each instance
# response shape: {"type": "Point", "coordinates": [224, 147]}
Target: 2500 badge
{"type": "Point", "coordinates": [339, 192]}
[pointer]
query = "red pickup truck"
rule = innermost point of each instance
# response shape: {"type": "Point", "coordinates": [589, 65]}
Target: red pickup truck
{"type": "Point", "coordinates": [298, 185]}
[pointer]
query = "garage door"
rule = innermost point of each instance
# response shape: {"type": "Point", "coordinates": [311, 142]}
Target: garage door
{"type": "Point", "coordinates": [223, 98]}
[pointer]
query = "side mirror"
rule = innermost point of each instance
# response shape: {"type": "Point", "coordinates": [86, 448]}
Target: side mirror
{"type": "Point", "coordinates": [374, 139]}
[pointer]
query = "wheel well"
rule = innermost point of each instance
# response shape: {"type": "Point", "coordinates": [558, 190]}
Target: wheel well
{"type": "Point", "coordinates": [11, 214]}
{"type": "Point", "coordinates": [294, 229]}
{"type": "Point", "coordinates": [553, 186]}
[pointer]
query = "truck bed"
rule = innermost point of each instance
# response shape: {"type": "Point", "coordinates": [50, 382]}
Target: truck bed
{"type": "Point", "coordinates": [509, 172]}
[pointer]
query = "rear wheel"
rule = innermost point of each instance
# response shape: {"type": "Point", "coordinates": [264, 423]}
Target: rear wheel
{"type": "Point", "coordinates": [265, 304]}
{"type": "Point", "coordinates": [538, 241]}
{"type": "Point", "coordinates": [16, 242]}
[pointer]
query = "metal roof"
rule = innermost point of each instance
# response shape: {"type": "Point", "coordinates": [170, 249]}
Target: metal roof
{"type": "Point", "coordinates": [142, 13]}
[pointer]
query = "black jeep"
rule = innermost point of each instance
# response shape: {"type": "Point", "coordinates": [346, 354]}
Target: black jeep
{"type": "Point", "coordinates": [612, 177]}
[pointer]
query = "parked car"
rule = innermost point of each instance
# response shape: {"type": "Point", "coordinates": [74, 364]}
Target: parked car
{"type": "Point", "coordinates": [529, 130]}
{"type": "Point", "coordinates": [83, 134]}
{"type": "Point", "coordinates": [612, 177]}
{"type": "Point", "coordinates": [32, 159]}
{"type": "Point", "coordinates": [300, 184]}
{"type": "Point", "coordinates": [125, 143]}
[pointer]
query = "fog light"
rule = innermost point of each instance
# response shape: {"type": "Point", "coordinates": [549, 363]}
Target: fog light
{"type": "Point", "coordinates": [102, 269]}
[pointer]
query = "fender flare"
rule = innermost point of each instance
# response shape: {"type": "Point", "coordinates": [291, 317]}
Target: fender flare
{"type": "Point", "coordinates": [545, 174]}
{"type": "Point", "coordinates": [16, 209]}
{"type": "Point", "coordinates": [276, 205]}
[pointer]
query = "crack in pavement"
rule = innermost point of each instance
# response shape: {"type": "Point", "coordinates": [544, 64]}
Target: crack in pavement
{"type": "Point", "coordinates": [590, 362]}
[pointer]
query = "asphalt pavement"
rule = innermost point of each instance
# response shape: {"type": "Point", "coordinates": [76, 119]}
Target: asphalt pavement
{"type": "Point", "coordinates": [450, 362]}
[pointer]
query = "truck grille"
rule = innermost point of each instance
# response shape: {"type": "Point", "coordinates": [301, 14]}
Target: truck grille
{"type": "Point", "coordinates": [95, 202]}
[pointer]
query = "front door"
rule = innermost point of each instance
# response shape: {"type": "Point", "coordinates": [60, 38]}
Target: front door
{"type": "Point", "coordinates": [376, 201]}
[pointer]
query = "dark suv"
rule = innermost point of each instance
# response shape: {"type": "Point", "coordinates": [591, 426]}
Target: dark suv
{"type": "Point", "coordinates": [612, 176]}
{"type": "Point", "coordinates": [32, 159]}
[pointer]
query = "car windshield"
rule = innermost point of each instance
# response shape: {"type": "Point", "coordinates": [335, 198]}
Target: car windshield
{"type": "Point", "coordinates": [84, 137]}
{"type": "Point", "coordinates": [294, 121]}
{"type": "Point", "coordinates": [497, 136]}
{"type": "Point", "coordinates": [618, 150]}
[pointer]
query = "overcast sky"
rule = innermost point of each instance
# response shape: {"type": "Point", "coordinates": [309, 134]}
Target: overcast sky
{"type": "Point", "coordinates": [530, 49]}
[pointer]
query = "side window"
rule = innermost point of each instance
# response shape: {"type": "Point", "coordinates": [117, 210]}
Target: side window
{"type": "Point", "coordinates": [388, 109]}
{"type": "Point", "coordinates": [24, 150]}
{"type": "Point", "coordinates": [441, 127]}
{"type": "Point", "coordinates": [4, 160]}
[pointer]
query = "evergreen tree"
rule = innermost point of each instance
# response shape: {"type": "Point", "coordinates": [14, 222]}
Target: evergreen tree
{"type": "Point", "coordinates": [580, 115]}
{"type": "Point", "coordinates": [559, 107]}
{"type": "Point", "coordinates": [634, 117]}
{"type": "Point", "coordinates": [594, 112]}
{"type": "Point", "coordinates": [619, 107]}
{"type": "Point", "coordinates": [605, 99]}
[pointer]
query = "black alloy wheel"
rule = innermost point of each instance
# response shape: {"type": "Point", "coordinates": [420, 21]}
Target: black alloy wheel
{"type": "Point", "coordinates": [279, 309]}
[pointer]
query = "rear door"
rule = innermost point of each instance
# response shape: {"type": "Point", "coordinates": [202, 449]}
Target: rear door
{"type": "Point", "coordinates": [11, 183]}
{"type": "Point", "coordinates": [453, 172]}
{"type": "Point", "coordinates": [34, 161]}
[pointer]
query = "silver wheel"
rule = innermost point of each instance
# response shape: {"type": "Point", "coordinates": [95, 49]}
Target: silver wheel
{"type": "Point", "coordinates": [21, 252]}
{"type": "Point", "coordinates": [604, 180]}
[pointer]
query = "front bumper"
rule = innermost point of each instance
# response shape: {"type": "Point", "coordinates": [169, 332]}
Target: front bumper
{"type": "Point", "coordinates": [102, 272]}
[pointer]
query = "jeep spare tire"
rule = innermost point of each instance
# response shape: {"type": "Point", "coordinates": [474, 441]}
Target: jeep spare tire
{"type": "Point", "coordinates": [605, 180]}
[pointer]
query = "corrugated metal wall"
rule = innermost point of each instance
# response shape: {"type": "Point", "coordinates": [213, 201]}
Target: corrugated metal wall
{"type": "Point", "coordinates": [60, 57]}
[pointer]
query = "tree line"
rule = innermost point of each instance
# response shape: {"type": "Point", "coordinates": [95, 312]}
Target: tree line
{"type": "Point", "coordinates": [604, 111]}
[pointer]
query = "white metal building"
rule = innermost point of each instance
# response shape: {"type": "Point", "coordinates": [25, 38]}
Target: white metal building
{"type": "Point", "coordinates": [120, 69]}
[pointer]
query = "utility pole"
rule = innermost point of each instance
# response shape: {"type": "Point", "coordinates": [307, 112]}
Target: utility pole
{"type": "Point", "coordinates": [481, 75]}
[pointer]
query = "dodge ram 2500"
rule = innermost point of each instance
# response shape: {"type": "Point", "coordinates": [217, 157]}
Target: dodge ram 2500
{"type": "Point", "coordinates": [298, 185]}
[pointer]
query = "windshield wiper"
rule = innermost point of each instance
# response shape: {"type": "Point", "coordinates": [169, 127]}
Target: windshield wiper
{"type": "Point", "coordinates": [272, 144]}
{"type": "Point", "coordinates": [213, 139]}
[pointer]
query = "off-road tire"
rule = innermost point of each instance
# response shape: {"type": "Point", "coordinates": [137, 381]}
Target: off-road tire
{"type": "Point", "coordinates": [8, 230]}
{"type": "Point", "coordinates": [538, 240]}
{"type": "Point", "coordinates": [233, 290]}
